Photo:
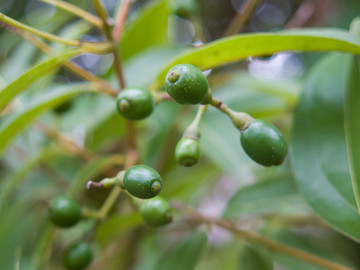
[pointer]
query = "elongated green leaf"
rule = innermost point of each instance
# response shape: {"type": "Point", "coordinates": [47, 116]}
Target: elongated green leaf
{"type": "Point", "coordinates": [318, 147]}
{"type": "Point", "coordinates": [239, 47]}
{"type": "Point", "coordinates": [277, 195]}
{"type": "Point", "coordinates": [352, 126]}
{"type": "Point", "coordinates": [33, 74]}
{"type": "Point", "coordinates": [149, 29]}
{"type": "Point", "coordinates": [115, 226]}
{"type": "Point", "coordinates": [253, 258]}
{"type": "Point", "coordinates": [50, 100]}
{"type": "Point", "coordinates": [185, 255]}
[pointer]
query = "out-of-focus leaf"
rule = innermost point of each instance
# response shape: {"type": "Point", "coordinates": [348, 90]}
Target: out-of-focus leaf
{"type": "Point", "coordinates": [115, 226]}
{"type": "Point", "coordinates": [275, 195]}
{"type": "Point", "coordinates": [20, 120]}
{"type": "Point", "coordinates": [12, 181]}
{"type": "Point", "coordinates": [239, 47]}
{"type": "Point", "coordinates": [319, 154]}
{"type": "Point", "coordinates": [149, 29]}
{"type": "Point", "coordinates": [252, 258]}
{"type": "Point", "coordinates": [30, 76]}
{"type": "Point", "coordinates": [185, 255]}
{"type": "Point", "coordinates": [352, 126]}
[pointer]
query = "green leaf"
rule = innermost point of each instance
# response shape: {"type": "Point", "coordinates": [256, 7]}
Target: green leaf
{"type": "Point", "coordinates": [149, 29]}
{"type": "Point", "coordinates": [116, 225]}
{"type": "Point", "coordinates": [239, 47]}
{"type": "Point", "coordinates": [253, 258]}
{"type": "Point", "coordinates": [33, 74]}
{"type": "Point", "coordinates": [276, 194]}
{"type": "Point", "coordinates": [185, 255]}
{"type": "Point", "coordinates": [20, 120]}
{"type": "Point", "coordinates": [319, 154]}
{"type": "Point", "coordinates": [352, 126]}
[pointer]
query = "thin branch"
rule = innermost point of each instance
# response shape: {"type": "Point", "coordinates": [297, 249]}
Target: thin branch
{"type": "Point", "coordinates": [76, 11]}
{"type": "Point", "coordinates": [99, 47]}
{"type": "Point", "coordinates": [241, 17]}
{"type": "Point", "coordinates": [265, 242]}
{"type": "Point", "coordinates": [120, 19]}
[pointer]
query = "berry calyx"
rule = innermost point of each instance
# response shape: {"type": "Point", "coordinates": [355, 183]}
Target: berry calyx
{"type": "Point", "coordinates": [186, 84]}
{"type": "Point", "coordinates": [156, 212]}
{"type": "Point", "coordinates": [142, 181]}
{"type": "Point", "coordinates": [187, 151]}
{"type": "Point", "coordinates": [64, 212]}
{"type": "Point", "coordinates": [135, 103]}
{"type": "Point", "coordinates": [264, 143]}
{"type": "Point", "coordinates": [78, 256]}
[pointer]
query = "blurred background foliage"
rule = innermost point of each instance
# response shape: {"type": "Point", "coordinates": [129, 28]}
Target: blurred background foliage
{"type": "Point", "coordinates": [226, 183]}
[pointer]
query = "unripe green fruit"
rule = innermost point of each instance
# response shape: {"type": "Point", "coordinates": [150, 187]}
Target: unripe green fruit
{"type": "Point", "coordinates": [264, 143]}
{"type": "Point", "coordinates": [186, 84]}
{"type": "Point", "coordinates": [187, 151]}
{"type": "Point", "coordinates": [78, 256]}
{"type": "Point", "coordinates": [156, 212]}
{"type": "Point", "coordinates": [64, 212]}
{"type": "Point", "coordinates": [135, 103]}
{"type": "Point", "coordinates": [142, 181]}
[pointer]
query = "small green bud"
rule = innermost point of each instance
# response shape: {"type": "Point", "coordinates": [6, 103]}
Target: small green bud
{"type": "Point", "coordinates": [64, 212]}
{"type": "Point", "coordinates": [264, 143]}
{"type": "Point", "coordinates": [156, 212]}
{"type": "Point", "coordinates": [187, 151]}
{"type": "Point", "coordinates": [78, 256]}
{"type": "Point", "coordinates": [186, 84]}
{"type": "Point", "coordinates": [142, 181]}
{"type": "Point", "coordinates": [135, 103]}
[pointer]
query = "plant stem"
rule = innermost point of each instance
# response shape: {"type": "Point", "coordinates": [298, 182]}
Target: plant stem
{"type": "Point", "coordinates": [76, 11]}
{"type": "Point", "coordinates": [241, 17]}
{"type": "Point", "coordinates": [86, 46]}
{"type": "Point", "coordinates": [193, 129]}
{"type": "Point", "coordinates": [120, 19]}
{"type": "Point", "coordinates": [99, 7]}
{"type": "Point", "coordinates": [240, 120]}
{"type": "Point", "coordinates": [258, 239]}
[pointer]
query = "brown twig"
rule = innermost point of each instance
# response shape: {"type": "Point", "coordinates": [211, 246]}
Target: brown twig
{"type": "Point", "coordinates": [120, 19]}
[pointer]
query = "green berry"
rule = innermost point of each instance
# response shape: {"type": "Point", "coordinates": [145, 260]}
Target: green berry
{"type": "Point", "coordinates": [64, 212]}
{"type": "Point", "coordinates": [186, 84]}
{"type": "Point", "coordinates": [135, 103]}
{"type": "Point", "coordinates": [156, 212]}
{"type": "Point", "coordinates": [78, 256]}
{"type": "Point", "coordinates": [264, 143]}
{"type": "Point", "coordinates": [187, 151]}
{"type": "Point", "coordinates": [142, 181]}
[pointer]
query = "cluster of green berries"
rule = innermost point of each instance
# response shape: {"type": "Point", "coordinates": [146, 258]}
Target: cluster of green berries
{"type": "Point", "coordinates": [262, 141]}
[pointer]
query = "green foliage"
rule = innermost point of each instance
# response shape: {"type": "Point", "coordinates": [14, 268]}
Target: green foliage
{"type": "Point", "coordinates": [87, 161]}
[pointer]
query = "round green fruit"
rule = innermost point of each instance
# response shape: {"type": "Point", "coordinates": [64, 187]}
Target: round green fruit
{"type": "Point", "coordinates": [187, 151]}
{"type": "Point", "coordinates": [135, 103]}
{"type": "Point", "coordinates": [186, 84]}
{"type": "Point", "coordinates": [142, 181]}
{"type": "Point", "coordinates": [64, 212]}
{"type": "Point", "coordinates": [264, 143]}
{"type": "Point", "coordinates": [78, 256]}
{"type": "Point", "coordinates": [156, 212]}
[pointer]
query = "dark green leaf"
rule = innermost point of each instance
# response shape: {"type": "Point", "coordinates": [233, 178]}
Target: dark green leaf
{"type": "Point", "coordinates": [252, 258]}
{"type": "Point", "coordinates": [352, 126]}
{"type": "Point", "coordinates": [319, 154]}
{"type": "Point", "coordinates": [185, 255]}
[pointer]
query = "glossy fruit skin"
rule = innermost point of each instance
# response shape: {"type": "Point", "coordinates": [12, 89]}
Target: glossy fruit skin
{"type": "Point", "coordinates": [142, 181]}
{"type": "Point", "coordinates": [187, 151]}
{"type": "Point", "coordinates": [78, 256]}
{"type": "Point", "coordinates": [64, 212]}
{"type": "Point", "coordinates": [156, 212]}
{"type": "Point", "coordinates": [264, 143]}
{"type": "Point", "coordinates": [186, 84]}
{"type": "Point", "coordinates": [135, 103]}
